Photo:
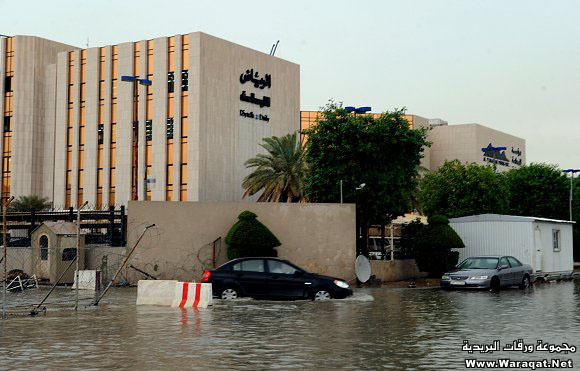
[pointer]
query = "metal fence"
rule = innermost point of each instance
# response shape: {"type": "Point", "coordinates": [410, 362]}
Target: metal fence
{"type": "Point", "coordinates": [101, 226]}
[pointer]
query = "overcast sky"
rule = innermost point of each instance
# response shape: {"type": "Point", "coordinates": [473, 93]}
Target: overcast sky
{"type": "Point", "coordinates": [510, 65]}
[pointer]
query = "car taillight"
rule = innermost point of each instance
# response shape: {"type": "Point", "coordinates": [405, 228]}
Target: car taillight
{"type": "Point", "coordinates": [205, 276]}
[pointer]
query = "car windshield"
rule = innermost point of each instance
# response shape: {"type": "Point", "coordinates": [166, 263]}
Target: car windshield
{"type": "Point", "coordinates": [478, 263]}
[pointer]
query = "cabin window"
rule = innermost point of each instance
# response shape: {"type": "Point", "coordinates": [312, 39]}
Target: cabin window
{"type": "Point", "coordinates": [556, 239]}
{"type": "Point", "coordinates": [43, 247]}
{"type": "Point", "coordinates": [69, 254]}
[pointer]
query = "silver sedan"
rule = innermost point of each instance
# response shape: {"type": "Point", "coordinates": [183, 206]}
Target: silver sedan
{"type": "Point", "coordinates": [488, 272]}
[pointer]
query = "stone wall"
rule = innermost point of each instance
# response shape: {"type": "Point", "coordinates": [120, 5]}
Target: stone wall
{"type": "Point", "coordinates": [318, 237]}
{"type": "Point", "coordinates": [395, 270]}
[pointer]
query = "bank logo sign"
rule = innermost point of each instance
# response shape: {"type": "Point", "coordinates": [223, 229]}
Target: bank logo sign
{"type": "Point", "coordinates": [498, 156]}
{"type": "Point", "coordinates": [252, 97]}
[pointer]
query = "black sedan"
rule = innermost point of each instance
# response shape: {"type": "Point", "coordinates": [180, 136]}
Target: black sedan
{"type": "Point", "coordinates": [272, 278]}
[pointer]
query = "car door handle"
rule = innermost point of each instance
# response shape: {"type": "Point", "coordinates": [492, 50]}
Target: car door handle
{"type": "Point", "coordinates": [274, 277]}
{"type": "Point", "coordinates": [239, 275]}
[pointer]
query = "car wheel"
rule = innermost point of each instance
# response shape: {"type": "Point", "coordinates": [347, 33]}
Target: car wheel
{"type": "Point", "coordinates": [229, 293]}
{"type": "Point", "coordinates": [321, 294]}
{"type": "Point", "coordinates": [525, 282]}
{"type": "Point", "coordinates": [495, 284]}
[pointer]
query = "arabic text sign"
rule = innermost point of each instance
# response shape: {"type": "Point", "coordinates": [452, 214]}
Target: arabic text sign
{"type": "Point", "coordinates": [262, 83]}
{"type": "Point", "coordinates": [518, 346]}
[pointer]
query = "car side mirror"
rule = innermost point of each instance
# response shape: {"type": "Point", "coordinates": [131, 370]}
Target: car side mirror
{"type": "Point", "coordinates": [298, 273]}
{"type": "Point", "coordinates": [504, 266]}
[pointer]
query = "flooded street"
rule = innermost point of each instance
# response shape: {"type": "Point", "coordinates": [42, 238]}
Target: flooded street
{"type": "Point", "coordinates": [399, 329]}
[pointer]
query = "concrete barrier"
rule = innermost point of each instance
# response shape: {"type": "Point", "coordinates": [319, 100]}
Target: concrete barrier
{"type": "Point", "coordinates": [155, 292]}
{"type": "Point", "coordinates": [174, 294]}
{"type": "Point", "coordinates": [88, 280]}
{"type": "Point", "coordinates": [192, 295]}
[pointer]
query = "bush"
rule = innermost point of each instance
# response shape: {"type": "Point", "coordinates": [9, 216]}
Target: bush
{"type": "Point", "coordinates": [249, 237]}
{"type": "Point", "coordinates": [434, 243]}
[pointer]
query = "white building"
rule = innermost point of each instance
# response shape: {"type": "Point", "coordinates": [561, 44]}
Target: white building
{"type": "Point", "coordinates": [545, 244]}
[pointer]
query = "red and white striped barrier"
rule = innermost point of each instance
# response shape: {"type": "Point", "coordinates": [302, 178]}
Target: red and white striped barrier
{"type": "Point", "coordinates": [192, 295]}
{"type": "Point", "coordinates": [175, 294]}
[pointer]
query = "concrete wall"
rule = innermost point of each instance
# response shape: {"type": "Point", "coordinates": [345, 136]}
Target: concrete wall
{"type": "Point", "coordinates": [464, 143]}
{"type": "Point", "coordinates": [226, 139]}
{"type": "Point", "coordinates": [395, 270]}
{"type": "Point", "coordinates": [33, 114]}
{"type": "Point", "coordinates": [318, 237]}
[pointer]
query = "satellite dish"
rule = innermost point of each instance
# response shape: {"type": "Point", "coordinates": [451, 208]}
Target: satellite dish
{"type": "Point", "coordinates": [362, 268]}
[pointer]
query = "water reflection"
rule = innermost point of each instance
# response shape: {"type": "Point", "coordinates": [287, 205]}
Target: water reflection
{"type": "Point", "coordinates": [400, 329]}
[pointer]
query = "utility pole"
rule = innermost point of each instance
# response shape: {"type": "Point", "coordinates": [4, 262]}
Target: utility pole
{"type": "Point", "coordinates": [5, 239]}
{"type": "Point", "coordinates": [572, 172]}
{"type": "Point", "coordinates": [77, 256]}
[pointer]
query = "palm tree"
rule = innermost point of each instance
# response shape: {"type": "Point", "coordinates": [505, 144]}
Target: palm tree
{"type": "Point", "coordinates": [280, 173]}
{"type": "Point", "coordinates": [27, 203]}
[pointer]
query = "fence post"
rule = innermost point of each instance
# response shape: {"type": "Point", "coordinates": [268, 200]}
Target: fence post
{"type": "Point", "coordinates": [111, 226]}
{"type": "Point", "coordinates": [32, 222]}
{"type": "Point", "coordinates": [71, 215]}
{"type": "Point", "coordinates": [123, 226]}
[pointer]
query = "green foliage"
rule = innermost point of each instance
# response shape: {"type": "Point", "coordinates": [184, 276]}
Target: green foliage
{"type": "Point", "coordinates": [249, 237]}
{"type": "Point", "coordinates": [280, 173]}
{"type": "Point", "coordinates": [456, 189]}
{"type": "Point", "coordinates": [408, 249]}
{"type": "Point", "coordinates": [539, 190]}
{"type": "Point", "coordinates": [434, 243]}
{"type": "Point", "coordinates": [27, 203]}
{"type": "Point", "coordinates": [382, 152]}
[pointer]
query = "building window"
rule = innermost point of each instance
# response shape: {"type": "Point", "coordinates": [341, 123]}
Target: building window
{"type": "Point", "coordinates": [69, 254]}
{"type": "Point", "coordinates": [556, 239]}
{"type": "Point", "coordinates": [43, 247]}
{"type": "Point", "coordinates": [101, 133]}
{"type": "Point", "coordinates": [184, 80]}
{"type": "Point", "coordinates": [7, 127]}
{"type": "Point", "coordinates": [8, 84]}
{"type": "Point", "coordinates": [149, 129]}
{"type": "Point", "coordinates": [170, 128]}
{"type": "Point", "coordinates": [170, 82]}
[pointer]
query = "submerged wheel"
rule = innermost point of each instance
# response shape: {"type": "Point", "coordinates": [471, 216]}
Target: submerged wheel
{"type": "Point", "coordinates": [321, 295]}
{"type": "Point", "coordinates": [229, 294]}
{"type": "Point", "coordinates": [494, 285]}
{"type": "Point", "coordinates": [525, 282]}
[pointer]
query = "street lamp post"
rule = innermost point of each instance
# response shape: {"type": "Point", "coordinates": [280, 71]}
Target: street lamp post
{"type": "Point", "coordinates": [145, 82]}
{"type": "Point", "coordinates": [572, 172]}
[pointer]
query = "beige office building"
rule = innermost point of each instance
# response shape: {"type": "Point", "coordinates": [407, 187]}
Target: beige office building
{"type": "Point", "coordinates": [475, 143]}
{"type": "Point", "coordinates": [468, 143]}
{"type": "Point", "coordinates": [172, 118]}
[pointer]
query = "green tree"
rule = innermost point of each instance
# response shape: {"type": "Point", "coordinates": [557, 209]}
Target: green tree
{"type": "Point", "coordinates": [27, 203]}
{"type": "Point", "coordinates": [382, 152]}
{"type": "Point", "coordinates": [539, 190]}
{"type": "Point", "coordinates": [280, 173]}
{"type": "Point", "coordinates": [456, 189]}
{"type": "Point", "coordinates": [433, 245]}
{"type": "Point", "coordinates": [249, 237]}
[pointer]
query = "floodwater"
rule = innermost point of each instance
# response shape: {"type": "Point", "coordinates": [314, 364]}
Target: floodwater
{"type": "Point", "coordinates": [398, 329]}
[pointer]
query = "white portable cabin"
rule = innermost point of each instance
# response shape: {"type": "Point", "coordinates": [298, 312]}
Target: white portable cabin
{"type": "Point", "coordinates": [545, 244]}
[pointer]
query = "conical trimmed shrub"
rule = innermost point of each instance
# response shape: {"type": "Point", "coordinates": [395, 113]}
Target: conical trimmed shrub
{"type": "Point", "coordinates": [249, 237]}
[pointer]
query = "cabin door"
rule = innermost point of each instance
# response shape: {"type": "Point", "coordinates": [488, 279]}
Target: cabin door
{"type": "Point", "coordinates": [538, 259]}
